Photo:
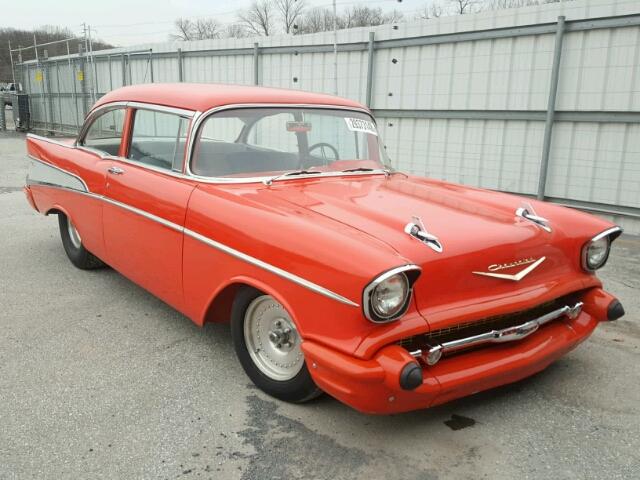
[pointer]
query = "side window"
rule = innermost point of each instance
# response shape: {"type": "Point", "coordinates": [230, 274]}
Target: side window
{"type": "Point", "coordinates": [158, 139]}
{"type": "Point", "coordinates": [105, 132]}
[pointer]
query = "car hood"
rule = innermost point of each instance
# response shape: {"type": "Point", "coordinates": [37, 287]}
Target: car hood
{"type": "Point", "coordinates": [478, 229]}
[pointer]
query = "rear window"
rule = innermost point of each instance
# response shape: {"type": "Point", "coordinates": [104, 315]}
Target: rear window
{"type": "Point", "coordinates": [158, 139]}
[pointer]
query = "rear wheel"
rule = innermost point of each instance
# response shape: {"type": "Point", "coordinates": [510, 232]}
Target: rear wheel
{"type": "Point", "coordinates": [268, 346]}
{"type": "Point", "coordinates": [72, 243]}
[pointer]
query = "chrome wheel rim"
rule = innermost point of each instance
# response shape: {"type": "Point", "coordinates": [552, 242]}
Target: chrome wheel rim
{"type": "Point", "coordinates": [73, 234]}
{"type": "Point", "coordinates": [272, 340]}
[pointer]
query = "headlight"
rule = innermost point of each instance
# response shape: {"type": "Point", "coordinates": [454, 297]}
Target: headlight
{"type": "Point", "coordinates": [387, 297]}
{"type": "Point", "coordinates": [596, 251]}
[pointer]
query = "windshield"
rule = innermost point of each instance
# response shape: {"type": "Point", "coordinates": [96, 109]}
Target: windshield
{"type": "Point", "coordinates": [261, 142]}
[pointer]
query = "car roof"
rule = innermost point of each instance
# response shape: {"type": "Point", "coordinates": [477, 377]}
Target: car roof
{"type": "Point", "coordinates": [202, 97]}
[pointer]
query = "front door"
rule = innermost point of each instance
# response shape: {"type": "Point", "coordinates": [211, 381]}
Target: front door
{"type": "Point", "coordinates": [145, 205]}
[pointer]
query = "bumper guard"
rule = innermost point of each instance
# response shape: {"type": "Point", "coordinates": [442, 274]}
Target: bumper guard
{"type": "Point", "coordinates": [509, 334]}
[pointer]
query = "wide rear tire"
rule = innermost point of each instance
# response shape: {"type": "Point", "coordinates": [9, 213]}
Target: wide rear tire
{"type": "Point", "coordinates": [72, 243]}
{"type": "Point", "coordinates": [268, 347]}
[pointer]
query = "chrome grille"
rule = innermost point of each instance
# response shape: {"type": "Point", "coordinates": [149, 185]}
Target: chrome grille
{"type": "Point", "coordinates": [477, 327]}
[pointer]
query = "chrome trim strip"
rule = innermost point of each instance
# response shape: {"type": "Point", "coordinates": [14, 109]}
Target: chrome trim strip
{"type": "Point", "coordinates": [271, 268]}
{"type": "Point", "coordinates": [143, 213]}
{"type": "Point", "coordinates": [202, 116]}
{"type": "Point", "coordinates": [366, 294]}
{"type": "Point", "coordinates": [223, 248]}
{"type": "Point", "coordinates": [509, 334]}
{"type": "Point", "coordinates": [50, 140]}
{"type": "Point", "coordinates": [162, 108]}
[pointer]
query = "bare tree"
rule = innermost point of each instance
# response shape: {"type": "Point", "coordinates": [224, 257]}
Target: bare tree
{"type": "Point", "coordinates": [430, 10]}
{"type": "Point", "coordinates": [463, 6]}
{"type": "Point", "coordinates": [184, 28]}
{"type": "Point", "coordinates": [363, 16]}
{"type": "Point", "coordinates": [258, 18]}
{"type": "Point", "coordinates": [316, 20]}
{"type": "Point", "coordinates": [289, 11]}
{"type": "Point", "coordinates": [235, 30]}
{"type": "Point", "coordinates": [201, 29]}
{"type": "Point", "coordinates": [207, 28]}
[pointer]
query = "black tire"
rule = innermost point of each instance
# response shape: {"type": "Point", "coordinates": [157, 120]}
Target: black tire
{"type": "Point", "coordinates": [299, 389]}
{"type": "Point", "coordinates": [79, 256]}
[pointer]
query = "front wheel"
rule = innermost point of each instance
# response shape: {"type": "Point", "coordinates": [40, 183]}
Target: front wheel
{"type": "Point", "coordinates": [72, 243]}
{"type": "Point", "coordinates": [267, 344]}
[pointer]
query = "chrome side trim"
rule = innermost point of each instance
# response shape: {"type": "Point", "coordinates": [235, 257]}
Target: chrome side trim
{"type": "Point", "coordinates": [50, 140]}
{"type": "Point", "coordinates": [161, 108]}
{"type": "Point", "coordinates": [270, 268]}
{"type": "Point", "coordinates": [219, 246]}
{"type": "Point", "coordinates": [510, 334]}
{"type": "Point", "coordinates": [366, 294]}
{"type": "Point", "coordinates": [143, 213]}
{"type": "Point", "coordinates": [202, 116]}
{"type": "Point", "coordinates": [44, 173]}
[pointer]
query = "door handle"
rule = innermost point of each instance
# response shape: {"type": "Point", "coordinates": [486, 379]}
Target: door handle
{"type": "Point", "coordinates": [115, 170]}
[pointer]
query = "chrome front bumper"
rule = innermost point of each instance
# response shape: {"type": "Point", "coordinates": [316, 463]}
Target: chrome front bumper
{"type": "Point", "coordinates": [510, 334]}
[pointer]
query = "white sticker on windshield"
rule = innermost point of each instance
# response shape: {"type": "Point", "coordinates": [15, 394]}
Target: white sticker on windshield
{"type": "Point", "coordinates": [359, 125]}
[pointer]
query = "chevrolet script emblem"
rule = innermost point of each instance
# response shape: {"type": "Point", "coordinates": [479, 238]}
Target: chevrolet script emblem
{"type": "Point", "coordinates": [515, 277]}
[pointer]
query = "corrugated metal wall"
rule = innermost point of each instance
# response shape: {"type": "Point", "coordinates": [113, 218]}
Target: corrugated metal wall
{"type": "Point", "coordinates": [460, 98]}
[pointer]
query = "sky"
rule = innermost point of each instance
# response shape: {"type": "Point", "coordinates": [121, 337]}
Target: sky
{"type": "Point", "coordinates": [132, 22]}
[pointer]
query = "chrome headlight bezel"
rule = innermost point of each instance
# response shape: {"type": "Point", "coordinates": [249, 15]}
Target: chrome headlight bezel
{"type": "Point", "coordinates": [408, 273]}
{"type": "Point", "coordinates": [607, 236]}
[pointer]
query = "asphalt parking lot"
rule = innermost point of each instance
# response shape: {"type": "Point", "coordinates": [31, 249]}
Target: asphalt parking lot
{"type": "Point", "coordinates": [99, 379]}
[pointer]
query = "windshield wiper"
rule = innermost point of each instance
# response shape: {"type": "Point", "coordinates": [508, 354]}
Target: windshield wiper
{"type": "Point", "coordinates": [358, 169]}
{"type": "Point", "coordinates": [387, 171]}
{"type": "Point", "coordinates": [269, 181]}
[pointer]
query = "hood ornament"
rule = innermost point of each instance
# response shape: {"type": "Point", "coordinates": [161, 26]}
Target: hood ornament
{"type": "Point", "coordinates": [528, 213]}
{"type": "Point", "coordinates": [417, 230]}
{"type": "Point", "coordinates": [533, 264]}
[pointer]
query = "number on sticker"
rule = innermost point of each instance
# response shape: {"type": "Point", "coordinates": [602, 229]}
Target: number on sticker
{"type": "Point", "coordinates": [360, 125]}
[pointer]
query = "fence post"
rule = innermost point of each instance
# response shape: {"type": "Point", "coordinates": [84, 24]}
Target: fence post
{"type": "Point", "coordinates": [551, 109]}
{"type": "Point", "coordinates": [46, 67]}
{"type": "Point", "coordinates": [180, 71]}
{"type": "Point", "coordinates": [371, 47]}
{"type": "Point", "coordinates": [151, 64]}
{"type": "Point", "coordinates": [82, 78]}
{"type": "Point", "coordinates": [124, 71]}
{"type": "Point", "coordinates": [256, 56]}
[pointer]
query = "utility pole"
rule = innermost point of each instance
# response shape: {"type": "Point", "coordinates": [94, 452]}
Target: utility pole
{"type": "Point", "coordinates": [86, 50]}
{"type": "Point", "coordinates": [13, 72]}
{"type": "Point", "coordinates": [335, 49]}
{"type": "Point", "coordinates": [95, 70]}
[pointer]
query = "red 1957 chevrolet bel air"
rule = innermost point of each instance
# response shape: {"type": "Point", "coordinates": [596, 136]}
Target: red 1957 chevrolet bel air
{"type": "Point", "coordinates": [277, 211]}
